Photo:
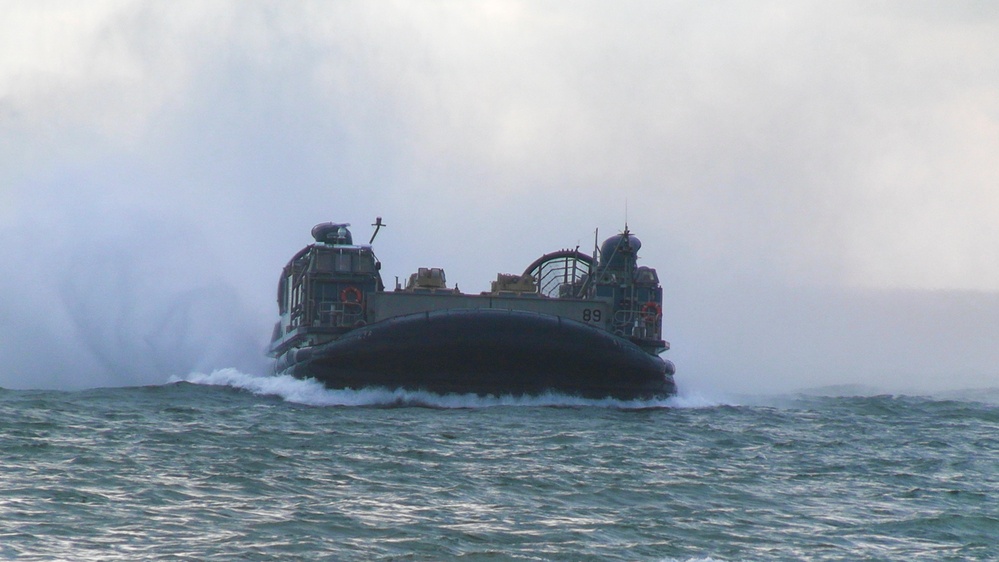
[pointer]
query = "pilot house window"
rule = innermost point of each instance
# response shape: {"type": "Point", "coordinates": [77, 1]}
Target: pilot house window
{"type": "Point", "coordinates": [365, 263]}
{"type": "Point", "coordinates": [342, 262]}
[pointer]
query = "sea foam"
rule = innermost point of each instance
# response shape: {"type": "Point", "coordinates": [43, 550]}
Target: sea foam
{"type": "Point", "coordinates": [312, 393]}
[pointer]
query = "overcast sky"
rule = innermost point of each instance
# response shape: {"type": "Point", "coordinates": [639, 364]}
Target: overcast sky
{"type": "Point", "coordinates": [817, 184]}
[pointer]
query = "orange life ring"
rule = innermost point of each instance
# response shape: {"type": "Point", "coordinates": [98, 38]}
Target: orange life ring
{"type": "Point", "coordinates": [651, 311]}
{"type": "Point", "coordinates": [346, 294]}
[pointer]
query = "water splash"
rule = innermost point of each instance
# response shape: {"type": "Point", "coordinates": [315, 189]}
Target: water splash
{"type": "Point", "coordinates": [312, 393]}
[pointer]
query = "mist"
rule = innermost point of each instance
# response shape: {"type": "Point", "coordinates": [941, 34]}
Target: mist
{"type": "Point", "coordinates": [816, 185]}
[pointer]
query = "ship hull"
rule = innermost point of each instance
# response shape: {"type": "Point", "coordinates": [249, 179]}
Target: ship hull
{"type": "Point", "coordinates": [485, 352]}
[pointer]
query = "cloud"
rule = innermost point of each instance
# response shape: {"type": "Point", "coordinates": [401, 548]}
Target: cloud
{"type": "Point", "coordinates": [825, 159]}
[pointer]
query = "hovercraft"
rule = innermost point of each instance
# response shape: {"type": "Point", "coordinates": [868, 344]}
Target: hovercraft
{"type": "Point", "coordinates": [588, 326]}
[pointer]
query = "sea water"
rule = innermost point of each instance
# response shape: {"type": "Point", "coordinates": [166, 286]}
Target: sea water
{"type": "Point", "coordinates": [228, 466]}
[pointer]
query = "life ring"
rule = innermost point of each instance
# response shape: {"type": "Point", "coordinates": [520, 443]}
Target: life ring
{"type": "Point", "coordinates": [351, 295]}
{"type": "Point", "coordinates": [651, 311]}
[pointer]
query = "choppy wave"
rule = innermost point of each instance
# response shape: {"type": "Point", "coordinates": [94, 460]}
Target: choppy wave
{"type": "Point", "coordinates": [310, 392]}
{"type": "Point", "coordinates": [227, 465]}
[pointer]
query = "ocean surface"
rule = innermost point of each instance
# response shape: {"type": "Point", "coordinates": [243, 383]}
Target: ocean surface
{"type": "Point", "coordinates": [228, 466]}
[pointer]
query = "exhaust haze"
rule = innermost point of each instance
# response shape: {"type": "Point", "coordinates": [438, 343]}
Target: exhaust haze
{"type": "Point", "coordinates": [817, 185]}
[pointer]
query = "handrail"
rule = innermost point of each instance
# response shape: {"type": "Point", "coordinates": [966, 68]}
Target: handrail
{"type": "Point", "coordinates": [552, 270]}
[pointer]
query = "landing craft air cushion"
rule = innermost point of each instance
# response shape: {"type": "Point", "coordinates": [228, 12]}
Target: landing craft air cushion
{"type": "Point", "coordinates": [575, 324]}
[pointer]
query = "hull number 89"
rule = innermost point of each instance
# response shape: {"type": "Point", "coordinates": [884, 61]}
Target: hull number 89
{"type": "Point", "coordinates": [591, 315]}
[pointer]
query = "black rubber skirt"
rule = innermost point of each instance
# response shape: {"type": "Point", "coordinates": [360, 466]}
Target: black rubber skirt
{"type": "Point", "coordinates": [485, 352]}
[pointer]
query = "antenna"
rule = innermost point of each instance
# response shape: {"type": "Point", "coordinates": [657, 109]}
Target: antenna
{"type": "Point", "coordinates": [378, 224]}
{"type": "Point", "coordinates": [626, 214]}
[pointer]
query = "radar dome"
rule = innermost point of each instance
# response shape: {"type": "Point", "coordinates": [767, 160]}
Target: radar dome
{"type": "Point", "coordinates": [332, 233]}
{"type": "Point", "coordinates": [618, 249]}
